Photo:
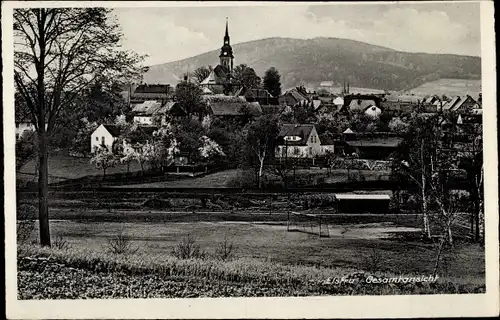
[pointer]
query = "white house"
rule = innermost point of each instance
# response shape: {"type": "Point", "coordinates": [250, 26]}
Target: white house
{"type": "Point", "coordinates": [298, 141]}
{"type": "Point", "coordinates": [104, 135]}
{"type": "Point", "coordinates": [145, 111]}
{"type": "Point", "coordinates": [23, 126]}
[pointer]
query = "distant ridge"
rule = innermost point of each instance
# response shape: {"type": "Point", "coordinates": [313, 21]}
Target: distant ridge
{"type": "Point", "coordinates": [310, 61]}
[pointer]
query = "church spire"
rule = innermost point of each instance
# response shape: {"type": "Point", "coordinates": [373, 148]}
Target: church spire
{"type": "Point", "coordinates": [226, 36]}
{"type": "Point", "coordinates": [226, 52]}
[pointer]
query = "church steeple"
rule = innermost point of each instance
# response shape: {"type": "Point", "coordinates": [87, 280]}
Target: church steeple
{"type": "Point", "coordinates": [226, 37]}
{"type": "Point", "coordinates": [226, 52]}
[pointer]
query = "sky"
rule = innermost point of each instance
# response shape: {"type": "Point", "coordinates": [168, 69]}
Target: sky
{"type": "Point", "coordinates": [172, 33]}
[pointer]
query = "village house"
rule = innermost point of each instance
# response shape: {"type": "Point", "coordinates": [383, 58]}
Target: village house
{"type": "Point", "coordinates": [148, 112]}
{"type": "Point", "coordinates": [368, 104]}
{"type": "Point", "coordinates": [24, 125]}
{"type": "Point", "coordinates": [298, 141]}
{"type": "Point", "coordinates": [375, 146]}
{"type": "Point", "coordinates": [231, 106]}
{"type": "Point", "coordinates": [144, 92]}
{"type": "Point", "coordinates": [292, 97]}
{"type": "Point", "coordinates": [262, 96]}
{"type": "Point", "coordinates": [104, 136]}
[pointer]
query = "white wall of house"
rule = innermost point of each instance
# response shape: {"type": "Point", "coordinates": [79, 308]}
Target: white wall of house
{"type": "Point", "coordinates": [143, 119]}
{"type": "Point", "coordinates": [23, 126]}
{"type": "Point", "coordinates": [99, 137]}
{"type": "Point", "coordinates": [327, 148]}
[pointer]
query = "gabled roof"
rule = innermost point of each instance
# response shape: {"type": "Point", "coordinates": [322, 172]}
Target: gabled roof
{"type": "Point", "coordinates": [211, 79]}
{"type": "Point", "coordinates": [234, 108]}
{"type": "Point", "coordinates": [113, 129]}
{"type": "Point", "coordinates": [452, 103]}
{"type": "Point", "coordinates": [290, 129]}
{"type": "Point", "coordinates": [296, 95]}
{"type": "Point", "coordinates": [295, 130]}
{"type": "Point", "coordinates": [361, 104]}
{"type": "Point", "coordinates": [316, 104]}
{"type": "Point", "coordinates": [463, 101]}
{"type": "Point", "coordinates": [149, 107]}
{"type": "Point", "coordinates": [166, 107]}
{"type": "Point", "coordinates": [348, 131]}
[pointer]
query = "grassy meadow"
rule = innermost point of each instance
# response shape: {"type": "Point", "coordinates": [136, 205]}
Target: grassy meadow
{"type": "Point", "coordinates": [449, 87]}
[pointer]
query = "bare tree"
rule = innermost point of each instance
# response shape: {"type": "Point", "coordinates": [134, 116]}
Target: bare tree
{"type": "Point", "coordinates": [58, 53]}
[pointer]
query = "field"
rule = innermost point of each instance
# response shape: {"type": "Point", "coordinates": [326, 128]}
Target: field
{"type": "Point", "coordinates": [449, 87]}
{"type": "Point", "coordinates": [62, 167]}
{"type": "Point", "coordinates": [263, 251]}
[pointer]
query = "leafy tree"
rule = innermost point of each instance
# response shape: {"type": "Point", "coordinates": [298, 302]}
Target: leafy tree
{"type": "Point", "coordinates": [246, 76]}
{"type": "Point", "coordinates": [304, 113]}
{"type": "Point", "coordinates": [189, 97]}
{"type": "Point", "coordinates": [259, 137]}
{"type": "Point", "coordinates": [398, 126]}
{"type": "Point", "coordinates": [250, 80]}
{"type": "Point", "coordinates": [272, 82]}
{"type": "Point", "coordinates": [59, 52]}
{"type": "Point", "coordinates": [201, 73]}
{"type": "Point", "coordinates": [104, 159]}
{"type": "Point", "coordinates": [210, 149]}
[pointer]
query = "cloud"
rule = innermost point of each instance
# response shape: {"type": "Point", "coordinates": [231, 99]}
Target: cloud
{"type": "Point", "coordinates": [169, 34]}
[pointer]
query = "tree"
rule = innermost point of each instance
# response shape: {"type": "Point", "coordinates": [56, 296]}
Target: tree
{"type": "Point", "coordinates": [272, 82]}
{"type": "Point", "coordinates": [210, 149]}
{"type": "Point", "coordinates": [259, 138]}
{"type": "Point", "coordinates": [58, 52]}
{"type": "Point", "coordinates": [250, 80]}
{"type": "Point", "coordinates": [189, 98]}
{"type": "Point", "coordinates": [201, 73]}
{"type": "Point", "coordinates": [104, 159]}
{"type": "Point", "coordinates": [246, 77]}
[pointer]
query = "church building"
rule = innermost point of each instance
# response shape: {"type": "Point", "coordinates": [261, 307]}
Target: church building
{"type": "Point", "coordinates": [220, 78]}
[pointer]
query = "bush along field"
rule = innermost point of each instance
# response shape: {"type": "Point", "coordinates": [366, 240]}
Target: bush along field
{"type": "Point", "coordinates": [122, 271]}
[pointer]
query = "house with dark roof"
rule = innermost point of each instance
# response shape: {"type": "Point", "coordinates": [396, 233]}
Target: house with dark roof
{"type": "Point", "coordinates": [298, 141]}
{"type": "Point", "coordinates": [376, 147]}
{"type": "Point", "coordinates": [369, 104]}
{"type": "Point", "coordinates": [293, 97]}
{"type": "Point", "coordinates": [231, 106]}
{"type": "Point", "coordinates": [145, 92]}
{"type": "Point", "coordinates": [104, 136]}
{"type": "Point", "coordinates": [262, 96]}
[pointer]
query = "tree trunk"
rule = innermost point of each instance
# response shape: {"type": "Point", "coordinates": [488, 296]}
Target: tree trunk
{"type": "Point", "coordinates": [103, 173]}
{"type": "Point", "coordinates": [261, 167]}
{"type": "Point", "coordinates": [43, 188]}
{"type": "Point", "coordinates": [128, 167]}
{"type": "Point", "coordinates": [427, 229]}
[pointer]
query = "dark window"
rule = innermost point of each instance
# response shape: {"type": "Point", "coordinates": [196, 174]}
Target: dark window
{"type": "Point", "coordinates": [17, 125]}
{"type": "Point", "coordinates": [103, 140]}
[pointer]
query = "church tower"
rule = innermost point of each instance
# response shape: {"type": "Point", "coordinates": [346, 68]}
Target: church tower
{"type": "Point", "coordinates": [226, 52]}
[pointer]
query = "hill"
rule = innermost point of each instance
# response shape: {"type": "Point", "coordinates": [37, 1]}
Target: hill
{"type": "Point", "coordinates": [311, 61]}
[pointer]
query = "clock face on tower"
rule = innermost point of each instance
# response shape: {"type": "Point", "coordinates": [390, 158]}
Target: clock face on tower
{"type": "Point", "coordinates": [225, 53]}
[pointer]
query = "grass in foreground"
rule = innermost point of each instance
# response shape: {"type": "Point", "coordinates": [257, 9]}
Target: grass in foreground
{"type": "Point", "coordinates": [73, 273]}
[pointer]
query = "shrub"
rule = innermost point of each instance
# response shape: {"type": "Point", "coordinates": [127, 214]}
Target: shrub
{"type": "Point", "coordinates": [155, 203]}
{"type": "Point", "coordinates": [188, 248]}
{"type": "Point", "coordinates": [26, 218]}
{"type": "Point", "coordinates": [374, 261]}
{"type": "Point", "coordinates": [121, 244]}
{"type": "Point", "coordinates": [60, 243]}
{"type": "Point", "coordinates": [225, 250]}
